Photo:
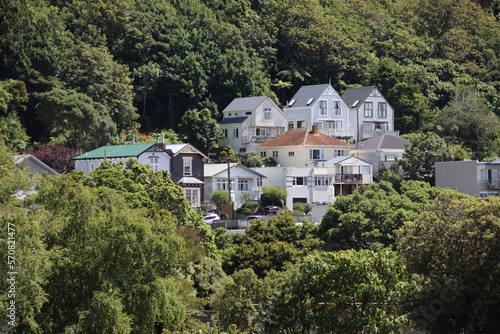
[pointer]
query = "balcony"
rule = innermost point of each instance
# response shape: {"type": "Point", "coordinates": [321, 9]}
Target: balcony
{"type": "Point", "coordinates": [373, 133]}
{"type": "Point", "coordinates": [339, 133]}
{"type": "Point", "coordinates": [256, 139]}
{"type": "Point", "coordinates": [348, 178]}
{"type": "Point", "coordinates": [494, 183]}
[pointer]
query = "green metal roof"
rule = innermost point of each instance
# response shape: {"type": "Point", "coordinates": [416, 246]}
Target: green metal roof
{"type": "Point", "coordinates": [115, 151]}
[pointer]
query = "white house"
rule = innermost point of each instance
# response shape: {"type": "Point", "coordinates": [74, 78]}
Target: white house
{"type": "Point", "coordinates": [369, 112]}
{"type": "Point", "coordinates": [304, 184]}
{"type": "Point", "coordinates": [381, 151]}
{"type": "Point", "coordinates": [32, 164]}
{"type": "Point", "coordinates": [249, 121]}
{"type": "Point", "coordinates": [319, 105]}
{"type": "Point", "coordinates": [350, 173]}
{"type": "Point", "coordinates": [302, 147]}
{"type": "Point", "coordinates": [243, 180]}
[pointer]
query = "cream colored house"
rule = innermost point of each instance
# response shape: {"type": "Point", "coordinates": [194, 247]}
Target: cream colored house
{"type": "Point", "coordinates": [302, 147]}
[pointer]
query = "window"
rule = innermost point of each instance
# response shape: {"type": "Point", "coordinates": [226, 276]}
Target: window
{"type": "Point", "coordinates": [192, 195]}
{"type": "Point", "coordinates": [235, 133]}
{"type": "Point", "coordinates": [337, 111]}
{"type": "Point", "coordinates": [291, 154]}
{"type": "Point", "coordinates": [187, 166]}
{"type": "Point", "coordinates": [322, 108]}
{"type": "Point", "coordinates": [267, 113]}
{"type": "Point", "coordinates": [243, 185]}
{"type": "Point", "coordinates": [224, 132]}
{"type": "Point", "coordinates": [153, 161]}
{"type": "Point", "coordinates": [275, 154]}
{"type": "Point", "coordinates": [92, 167]}
{"type": "Point", "coordinates": [248, 113]}
{"type": "Point", "coordinates": [368, 109]}
{"type": "Point", "coordinates": [365, 170]}
{"type": "Point", "coordinates": [290, 125]}
{"type": "Point", "coordinates": [322, 181]}
{"type": "Point", "coordinates": [334, 125]}
{"type": "Point", "coordinates": [339, 153]}
{"type": "Point", "coordinates": [221, 184]}
{"type": "Point", "coordinates": [259, 182]}
{"type": "Point", "coordinates": [390, 158]}
{"type": "Point", "coordinates": [301, 124]}
{"type": "Point", "coordinates": [316, 154]}
{"type": "Point", "coordinates": [263, 154]}
{"type": "Point", "coordinates": [483, 175]}
{"type": "Point", "coordinates": [382, 110]}
{"type": "Point", "coordinates": [319, 125]}
{"type": "Point", "coordinates": [299, 181]}
{"type": "Point", "coordinates": [262, 132]}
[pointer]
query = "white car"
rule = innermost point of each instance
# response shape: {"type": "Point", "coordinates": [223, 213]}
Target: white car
{"type": "Point", "coordinates": [211, 217]}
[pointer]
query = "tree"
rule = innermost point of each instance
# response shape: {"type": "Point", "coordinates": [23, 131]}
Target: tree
{"type": "Point", "coordinates": [13, 99]}
{"type": "Point", "coordinates": [451, 249]}
{"type": "Point", "coordinates": [200, 129]}
{"type": "Point", "coordinates": [219, 198]}
{"type": "Point", "coordinates": [273, 195]}
{"type": "Point", "coordinates": [254, 160]}
{"type": "Point", "coordinates": [58, 156]}
{"type": "Point", "coordinates": [369, 217]}
{"type": "Point", "coordinates": [419, 158]}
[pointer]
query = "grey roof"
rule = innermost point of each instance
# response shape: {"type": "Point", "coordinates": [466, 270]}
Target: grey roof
{"type": "Point", "coordinates": [176, 148]}
{"type": "Point", "coordinates": [210, 170]}
{"type": "Point", "coordinates": [305, 93]}
{"type": "Point", "coordinates": [359, 94]}
{"type": "Point", "coordinates": [245, 103]}
{"type": "Point", "coordinates": [25, 159]}
{"type": "Point", "coordinates": [233, 120]}
{"type": "Point", "coordinates": [383, 142]}
{"type": "Point", "coordinates": [344, 158]}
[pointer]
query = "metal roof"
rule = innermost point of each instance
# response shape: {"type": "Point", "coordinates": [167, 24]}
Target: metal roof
{"type": "Point", "coordinates": [116, 151]}
{"type": "Point", "coordinates": [245, 103]}
{"type": "Point", "coordinates": [233, 120]}
{"type": "Point", "coordinates": [305, 94]}
{"type": "Point", "coordinates": [210, 170]}
{"type": "Point", "coordinates": [385, 141]}
{"type": "Point", "coordinates": [359, 94]}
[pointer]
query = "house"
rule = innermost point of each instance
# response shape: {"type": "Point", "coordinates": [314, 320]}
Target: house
{"type": "Point", "coordinates": [249, 121]}
{"type": "Point", "coordinates": [33, 164]}
{"type": "Point", "coordinates": [469, 177]}
{"type": "Point", "coordinates": [183, 161]}
{"type": "Point", "coordinates": [319, 105]}
{"type": "Point", "coordinates": [369, 112]}
{"type": "Point", "coordinates": [243, 180]}
{"type": "Point", "coordinates": [350, 173]}
{"type": "Point", "coordinates": [302, 147]}
{"type": "Point", "coordinates": [380, 151]}
{"type": "Point", "coordinates": [304, 184]}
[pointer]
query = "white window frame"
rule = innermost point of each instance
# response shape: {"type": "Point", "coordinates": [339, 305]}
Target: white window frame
{"type": "Point", "coordinates": [187, 166]}
{"type": "Point", "coordinates": [154, 162]}
{"type": "Point", "coordinates": [301, 122]}
{"type": "Point", "coordinates": [323, 107]}
{"type": "Point", "coordinates": [263, 154]}
{"type": "Point", "coordinates": [267, 113]}
{"type": "Point", "coordinates": [320, 151]}
{"type": "Point", "coordinates": [242, 185]}
{"type": "Point", "coordinates": [193, 196]}
{"type": "Point", "coordinates": [291, 153]}
{"type": "Point", "coordinates": [337, 109]}
{"type": "Point", "coordinates": [275, 154]}
{"type": "Point", "coordinates": [259, 182]}
{"type": "Point", "coordinates": [290, 125]}
{"type": "Point", "coordinates": [382, 109]}
{"type": "Point", "coordinates": [295, 181]}
{"type": "Point", "coordinates": [235, 133]}
{"type": "Point", "coordinates": [337, 125]}
{"type": "Point", "coordinates": [368, 108]}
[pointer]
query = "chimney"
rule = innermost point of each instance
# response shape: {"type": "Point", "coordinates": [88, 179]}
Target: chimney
{"type": "Point", "coordinates": [133, 139]}
{"type": "Point", "coordinates": [314, 129]}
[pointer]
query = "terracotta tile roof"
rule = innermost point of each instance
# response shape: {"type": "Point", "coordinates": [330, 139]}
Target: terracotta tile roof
{"type": "Point", "coordinates": [302, 137]}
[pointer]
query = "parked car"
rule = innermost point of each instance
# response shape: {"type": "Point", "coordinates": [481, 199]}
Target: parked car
{"type": "Point", "coordinates": [269, 210]}
{"type": "Point", "coordinates": [253, 217]}
{"type": "Point", "coordinates": [211, 217]}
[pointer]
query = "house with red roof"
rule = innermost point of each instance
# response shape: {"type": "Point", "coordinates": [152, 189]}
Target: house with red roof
{"type": "Point", "coordinates": [302, 147]}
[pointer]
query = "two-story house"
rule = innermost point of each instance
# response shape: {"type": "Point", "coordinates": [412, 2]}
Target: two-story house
{"type": "Point", "coordinates": [183, 161]}
{"type": "Point", "coordinates": [369, 112]}
{"type": "Point", "coordinates": [319, 105]}
{"type": "Point", "coordinates": [302, 147]}
{"type": "Point", "coordinates": [350, 173]}
{"type": "Point", "coordinates": [249, 121]}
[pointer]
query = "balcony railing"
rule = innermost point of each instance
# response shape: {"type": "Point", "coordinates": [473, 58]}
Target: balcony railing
{"type": "Point", "coordinates": [256, 139]}
{"type": "Point", "coordinates": [342, 133]}
{"type": "Point", "coordinates": [494, 183]}
{"type": "Point", "coordinates": [349, 178]}
{"type": "Point", "coordinates": [373, 133]}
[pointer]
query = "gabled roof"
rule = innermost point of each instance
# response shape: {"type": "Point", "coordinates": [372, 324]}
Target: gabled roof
{"type": "Point", "coordinates": [305, 94]}
{"type": "Point", "coordinates": [117, 151]}
{"type": "Point", "coordinates": [183, 148]}
{"type": "Point", "coordinates": [346, 160]}
{"type": "Point", "coordinates": [211, 170]}
{"type": "Point", "coordinates": [30, 161]}
{"type": "Point", "coordinates": [383, 142]}
{"type": "Point", "coordinates": [245, 103]}
{"type": "Point", "coordinates": [233, 120]}
{"type": "Point", "coordinates": [354, 97]}
{"type": "Point", "coordinates": [302, 137]}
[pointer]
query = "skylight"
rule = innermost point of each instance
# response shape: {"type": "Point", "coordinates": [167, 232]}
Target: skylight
{"type": "Point", "coordinates": [310, 101]}
{"type": "Point", "coordinates": [291, 103]}
{"type": "Point", "coordinates": [355, 103]}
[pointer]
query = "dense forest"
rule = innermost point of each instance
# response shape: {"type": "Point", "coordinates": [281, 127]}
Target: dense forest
{"type": "Point", "coordinates": [84, 73]}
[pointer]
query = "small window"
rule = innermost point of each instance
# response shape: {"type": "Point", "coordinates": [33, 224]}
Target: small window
{"type": "Point", "coordinates": [322, 108]}
{"type": "Point", "coordinates": [248, 113]}
{"type": "Point", "coordinates": [298, 181]}
{"type": "Point", "coordinates": [224, 132]}
{"type": "Point", "coordinates": [390, 158]}
{"type": "Point", "coordinates": [319, 125]}
{"type": "Point", "coordinates": [263, 154]}
{"type": "Point", "coordinates": [235, 133]}
{"type": "Point", "coordinates": [337, 111]}
{"type": "Point", "coordinates": [366, 170]}
{"type": "Point", "coordinates": [382, 110]}
{"type": "Point", "coordinates": [92, 167]}
{"type": "Point", "coordinates": [275, 154]}
{"type": "Point", "coordinates": [316, 154]}
{"type": "Point", "coordinates": [243, 185]}
{"type": "Point", "coordinates": [368, 109]}
{"type": "Point", "coordinates": [301, 124]}
{"type": "Point", "coordinates": [229, 114]}
{"type": "Point", "coordinates": [291, 154]}
{"type": "Point", "coordinates": [187, 166]}
{"type": "Point", "coordinates": [259, 182]}
{"type": "Point", "coordinates": [267, 114]}
{"type": "Point", "coordinates": [153, 161]}
{"type": "Point", "coordinates": [290, 125]}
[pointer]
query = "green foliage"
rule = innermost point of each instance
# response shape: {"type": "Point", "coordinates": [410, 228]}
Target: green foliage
{"type": "Point", "coordinates": [271, 244]}
{"type": "Point", "coordinates": [227, 154]}
{"type": "Point", "coordinates": [301, 208]}
{"type": "Point", "coordinates": [273, 195]}
{"type": "Point", "coordinates": [201, 129]}
{"type": "Point", "coordinates": [219, 198]}
{"type": "Point", "coordinates": [368, 218]}
{"type": "Point", "coordinates": [451, 250]}
{"type": "Point", "coordinates": [254, 160]}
